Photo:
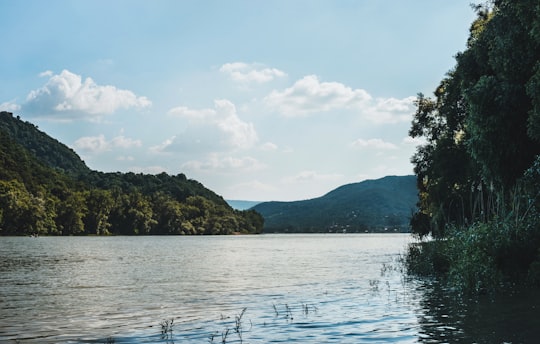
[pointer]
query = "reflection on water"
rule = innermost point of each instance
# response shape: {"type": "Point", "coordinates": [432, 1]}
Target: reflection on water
{"type": "Point", "coordinates": [507, 318]}
{"type": "Point", "coordinates": [294, 288]}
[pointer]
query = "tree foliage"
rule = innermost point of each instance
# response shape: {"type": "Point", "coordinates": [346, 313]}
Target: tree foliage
{"type": "Point", "coordinates": [477, 171]}
{"type": "Point", "coordinates": [50, 192]}
{"type": "Point", "coordinates": [480, 129]}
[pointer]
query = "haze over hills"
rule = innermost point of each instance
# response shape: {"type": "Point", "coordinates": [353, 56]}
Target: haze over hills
{"type": "Point", "coordinates": [242, 204]}
{"type": "Point", "coordinates": [372, 205]}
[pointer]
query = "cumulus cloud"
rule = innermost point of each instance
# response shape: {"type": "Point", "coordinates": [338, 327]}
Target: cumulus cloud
{"type": "Point", "coordinates": [373, 144]}
{"type": "Point", "coordinates": [97, 144]}
{"type": "Point", "coordinates": [240, 134]}
{"type": "Point", "coordinates": [67, 95]}
{"type": "Point", "coordinates": [224, 163]}
{"type": "Point", "coordinates": [310, 95]}
{"type": "Point", "coordinates": [245, 73]}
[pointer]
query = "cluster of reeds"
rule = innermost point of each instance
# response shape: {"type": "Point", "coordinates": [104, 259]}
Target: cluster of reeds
{"type": "Point", "coordinates": [237, 328]}
{"type": "Point", "coordinates": [235, 331]}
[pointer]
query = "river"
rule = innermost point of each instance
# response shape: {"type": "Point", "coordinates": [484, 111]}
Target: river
{"type": "Point", "coordinates": [335, 288]}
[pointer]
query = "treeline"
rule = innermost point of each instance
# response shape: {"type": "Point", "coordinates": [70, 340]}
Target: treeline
{"type": "Point", "coordinates": [43, 192]}
{"type": "Point", "coordinates": [479, 171]}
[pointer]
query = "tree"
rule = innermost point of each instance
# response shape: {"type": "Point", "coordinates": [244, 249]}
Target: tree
{"type": "Point", "coordinates": [100, 204]}
{"type": "Point", "coordinates": [70, 213]}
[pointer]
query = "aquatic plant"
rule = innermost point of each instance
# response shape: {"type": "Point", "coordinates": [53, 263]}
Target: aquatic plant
{"type": "Point", "coordinates": [167, 328]}
{"type": "Point", "coordinates": [237, 328]}
{"type": "Point", "coordinates": [306, 309]}
{"type": "Point", "coordinates": [238, 324]}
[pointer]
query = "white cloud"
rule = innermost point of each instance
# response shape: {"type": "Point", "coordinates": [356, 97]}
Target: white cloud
{"type": "Point", "coordinates": [67, 95]}
{"type": "Point", "coordinates": [310, 177]}
{"type": "Point", "coordinates": [240, 134]}
{"type": "Point", "coordinates": [373, 144]}
{"type": "Point", "coordinates": [125, 142]}
{"type": "Point", "coordinates": [148, 169]}
{"type": "Point", "coordinates": [193, 114]}
{"type": "Point", "coordinates": [9, 107]}
{"type": "Point", "coordinates": [269, 146]}
{"type": "Point", "coordinates": [92, 144]}
{"type": "Point", "coordinates": [243, 72]}
{"type": "Point", "coordinates": [391, 110]}
{"type": "Point", "coordinates": [309, 95]}
{"type": "Point", "coordinates": [97, 144]}
{"type": "Point", "coordinates": [227, 163]}
{"type": "Point", "coordinates": [46, 73]}
{"type": "Point", "coordinates": [415, 141]}
{"type": "Point", "coordinates": [161, 148]}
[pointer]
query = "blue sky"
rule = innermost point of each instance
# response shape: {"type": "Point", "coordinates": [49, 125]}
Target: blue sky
{"type": "Point", "coordinates": [257, 100]}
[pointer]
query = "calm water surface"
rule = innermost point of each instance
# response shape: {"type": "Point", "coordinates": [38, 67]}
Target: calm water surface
{"type": "Point", "coordinates": [294, 288]}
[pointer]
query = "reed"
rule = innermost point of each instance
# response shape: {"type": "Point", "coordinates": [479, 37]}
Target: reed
{"type": "Point", "coordinates": [167, 328]}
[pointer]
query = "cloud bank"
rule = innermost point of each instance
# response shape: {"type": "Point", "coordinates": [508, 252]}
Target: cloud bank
{"type": "Point", "coordinates": [310, 95]}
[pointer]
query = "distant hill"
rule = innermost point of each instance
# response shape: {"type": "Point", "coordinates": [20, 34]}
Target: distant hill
{"type": "Point", "coordinates": [45, 188]}
{"type": "Point", "coordinates": [241, 205]}
{"type": "Point", "coordinates": [372, 205]}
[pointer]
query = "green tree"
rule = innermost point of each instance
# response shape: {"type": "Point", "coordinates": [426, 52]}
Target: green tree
{"type": "Point", "coordinates": [70, 213]}
{"type": "Point", "coordinates": [100, 204]}
{"type": "Point", "coordinates": [168, 214]}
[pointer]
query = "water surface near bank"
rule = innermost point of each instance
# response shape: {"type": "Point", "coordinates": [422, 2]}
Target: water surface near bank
{"type": "Point", "coordinates": [331, 288]}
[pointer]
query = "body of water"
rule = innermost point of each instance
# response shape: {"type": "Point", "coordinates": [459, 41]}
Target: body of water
{"type": "Point", "coordinates": [238, 289]}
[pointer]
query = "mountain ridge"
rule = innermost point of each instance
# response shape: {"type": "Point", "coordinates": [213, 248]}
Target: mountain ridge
{"type": "Point", "coordinates": [370, 205]}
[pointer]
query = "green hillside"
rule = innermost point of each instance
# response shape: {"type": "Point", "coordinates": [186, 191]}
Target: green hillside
{"type": "Point", "coordinates": [372, 205]}
{"type": "Point", "coordinates": [45, 188]}
{"type": "Point", "coordinates": [43, 147]}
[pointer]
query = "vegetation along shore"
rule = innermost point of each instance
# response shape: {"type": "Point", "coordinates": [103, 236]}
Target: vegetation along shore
{"type": "Point", "coordinates": [478, 172]}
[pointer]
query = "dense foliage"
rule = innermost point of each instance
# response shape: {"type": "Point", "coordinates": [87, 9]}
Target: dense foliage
{"type": "Point", "coordinates": [45, 188]}
{"type": "Point", "coordinates": [478, 171]}
{"type": "Point", "coordinates": [373, 205]}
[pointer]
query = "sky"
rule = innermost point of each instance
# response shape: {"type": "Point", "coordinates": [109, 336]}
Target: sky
{"type": "Point", "coordinates": [257, 100]}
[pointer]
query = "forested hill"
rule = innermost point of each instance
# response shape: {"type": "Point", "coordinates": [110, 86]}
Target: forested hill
{"type": "Point", "coordinates": [45, 188]}
{"type": "Point", "coordinates": [372, 205]}
{"type": "Point", "coordinates": [43, 147]}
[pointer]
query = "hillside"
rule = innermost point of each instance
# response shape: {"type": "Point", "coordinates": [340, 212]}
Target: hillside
{"type": "Point", "coordinates": [371, 205]}
{"type": "Point", "coordinates": [45, 188]}
{"type": "Point", "coordinates": [43, 147]}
